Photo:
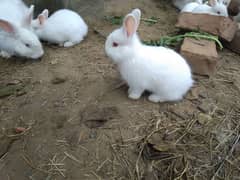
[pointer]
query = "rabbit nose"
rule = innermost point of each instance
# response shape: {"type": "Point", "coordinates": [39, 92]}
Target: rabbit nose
{"type": "Point", "coordinates": [39, 56]}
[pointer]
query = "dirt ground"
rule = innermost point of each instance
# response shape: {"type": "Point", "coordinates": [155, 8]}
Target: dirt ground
{"type": "Point", "coordinates": [68, 117]}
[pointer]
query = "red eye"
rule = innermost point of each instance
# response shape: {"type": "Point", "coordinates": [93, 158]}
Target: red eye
{"type": "Point", "coordinates": [115, 44]}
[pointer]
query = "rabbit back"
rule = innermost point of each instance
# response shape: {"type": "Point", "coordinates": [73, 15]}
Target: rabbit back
{"type": "Point", "coordinates": [63, 25]}
{"type": "Point", "coordinates": [13, 11]}
{"type": "Point", "coordinates": [159, 70]}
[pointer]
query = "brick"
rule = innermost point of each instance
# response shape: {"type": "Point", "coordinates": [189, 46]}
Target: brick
{"type": "Point", "coordinates": [217, 25]}
{"type": "Point", "coordinates": [201, 55]}
{"type": "Point", "coordinates": [234, 45]}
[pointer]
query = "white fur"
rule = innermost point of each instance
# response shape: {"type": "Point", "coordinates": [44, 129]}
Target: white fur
{"type": "Point", "coordinates": [190, 6]}
{"type": "Point", "coordinates": [159, 70]}
{"type": "Point", "coordinates": [18, 17]}
{"type": "Point", "coordinates": [218, 8]}
{"type": "Point", "coordinates": [226, 2]}
{"type": "Point", "coordinates": [181, 3]}
{"type": "Point", "coordinates": [64, 27]}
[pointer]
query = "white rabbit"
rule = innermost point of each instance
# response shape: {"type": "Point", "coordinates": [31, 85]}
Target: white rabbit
{"type": "Point", "coordinates": [190, 6]}
{"type": "Point", "coordinates": [16, 37]}
{"type": "Point", "coordinates": [64, 27]}
{"type": "Point", "coordinates": [217, 7]}
{"type": "Point", "coordinates": [159, 70]}
{"type": "Point", "coordinates": [181, 3]}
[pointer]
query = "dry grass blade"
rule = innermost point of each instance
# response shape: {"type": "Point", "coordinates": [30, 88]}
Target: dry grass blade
{"type": "Point", "coordinates": [72, 157]}
{"type": "Point", "coordinates": [98, 177]}
{"type": "Point", "coordinates": [29, 162]}
{"type": "Point", "coordinates": [54, 163]}
{"type": "Point", "coordinates": [226, 158]}
{"type": "Point", "coordinates": [122, 162]}
{"type": "Point", "coordinates": [141, 151]}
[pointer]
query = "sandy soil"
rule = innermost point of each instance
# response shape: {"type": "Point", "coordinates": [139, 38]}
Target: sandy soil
{"type": "Point", "coordinates": [79, 124]}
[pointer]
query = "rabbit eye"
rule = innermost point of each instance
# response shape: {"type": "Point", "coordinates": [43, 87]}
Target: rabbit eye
{"type": "Point", "coordinates": [27, 45]}
{"type": "Point", "coordinates": [218, 12]}
{"type": "Point", "coordinates": [115, 44]}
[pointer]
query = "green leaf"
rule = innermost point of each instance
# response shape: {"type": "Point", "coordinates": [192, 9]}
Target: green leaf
{"type": "Point", "coordinates": [174, 40]}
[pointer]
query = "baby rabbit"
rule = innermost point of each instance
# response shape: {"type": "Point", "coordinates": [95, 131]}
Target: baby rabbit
{"type": "Point", "coordinates": [192, 5]}
{"type": "Point", "coordinates": [158, 70]}
{"type": "Point", "coordinates": [217, 7]}
{"type": "Point", "coordinates": [16, 37]}
{"type": "Point", "coordinates": [64, 27]}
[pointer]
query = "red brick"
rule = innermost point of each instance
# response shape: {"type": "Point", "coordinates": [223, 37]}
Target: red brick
{"type": "Point", "coordinates": [217, 25]}
{"type": "Point", "coordinates": [201, 55]}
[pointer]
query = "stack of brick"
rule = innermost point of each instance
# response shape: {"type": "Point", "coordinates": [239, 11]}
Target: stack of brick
{"type": "Point", "coordinates": [202, 54]}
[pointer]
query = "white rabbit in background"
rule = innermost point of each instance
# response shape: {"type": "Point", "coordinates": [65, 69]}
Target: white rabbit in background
{"type": "Point", "coordinates": [159, 70]}
{"type": "Point", "coordinates": [64, 27]}
{"type": "Point", "coordinates": [181, 3]}
{"type": "Point", "coordinates": [217, 7]}
{"type": "Point", "coordinates": [16, 37]}
{"type": "Point", "coordinates": [192, 5]}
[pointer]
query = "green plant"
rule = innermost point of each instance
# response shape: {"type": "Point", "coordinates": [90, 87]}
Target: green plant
{"type": "Point", "coordinates": [117, 20]}
{"type": "Point", "coordinates": [174, 40]}
{"type": "Point", "coordinates": [114, 20]}
{"type": "Point", "coordinates": [150, 21]}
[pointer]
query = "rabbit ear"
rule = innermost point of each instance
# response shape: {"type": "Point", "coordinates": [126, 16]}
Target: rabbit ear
{"type": "Point", "coordinates": [130, 24]}
{"type": "Point", "coordinates": [212, 2]}
{"type": "Point", "coordinates": [31, 11]}
{"type": "Point", "coordinates": [41, 19]}
{"type": "Point", "coordinates": [28, 19]}
{"type": "Point", "coordinates": [6, 26]}
{"type": "Point", "coordinates": [137, 14]}
{"type": "Point", "coordinates": [45, 13]}
{"type": "Point", "coordinates": [226, 2]}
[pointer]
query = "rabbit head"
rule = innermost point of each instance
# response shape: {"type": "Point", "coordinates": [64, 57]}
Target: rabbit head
{"type": "Point", "coordinates": [218, 7]}
{"type": "Point", "coordinates": [120, 43]}
{"type": "Point", "coordinates": [19, 41]}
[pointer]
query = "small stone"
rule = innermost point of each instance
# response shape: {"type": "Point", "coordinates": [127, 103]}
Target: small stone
{"type": "Point", "coordinates": [10, 90]}
{"type": "Point", "coordinates": [194, 93]}
{"type": "Point", "coordinates": [58, 80]}
{"type": "Point", "coordinates": [53, 62]}
{"type": "Point", "coordinates": [21, 93]}
{"type": "Point", "coordinates": [204, 118]}
{"type": "Point", "coordinates": [19, 130]}
{"type": "Point", "coordinates": [14, 82]}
